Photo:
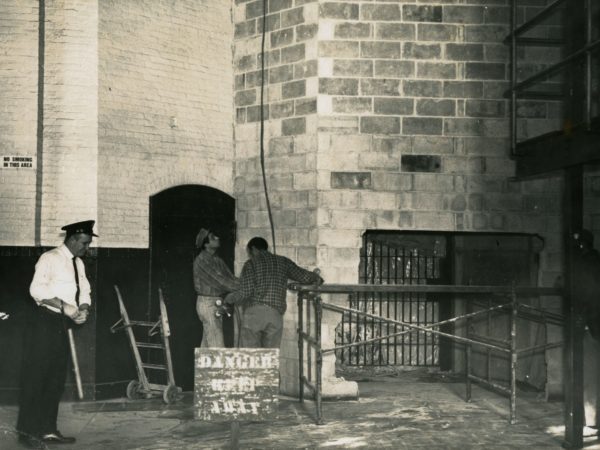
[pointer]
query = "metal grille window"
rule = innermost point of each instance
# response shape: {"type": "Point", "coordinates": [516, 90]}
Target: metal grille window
{"type": "Point", "coordinates": [390, 258]}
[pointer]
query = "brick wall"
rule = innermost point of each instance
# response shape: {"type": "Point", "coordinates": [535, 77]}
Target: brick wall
{"type": "Point", "coordinates": [18, 117]}
{"type": "Point", "coordinates": [70, 150]}
{"type": "Point", "coordinates": [69, 161]}
{"type": "Point", "coordinates": [165, 101]}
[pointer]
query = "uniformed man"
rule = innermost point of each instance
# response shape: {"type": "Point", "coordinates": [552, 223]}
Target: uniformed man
{"type": "Point", "coordinates": [61, 292]}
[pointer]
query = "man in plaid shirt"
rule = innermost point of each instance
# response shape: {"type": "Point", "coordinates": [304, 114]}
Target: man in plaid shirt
{"type": "Point", "coordinates": [263, 292]}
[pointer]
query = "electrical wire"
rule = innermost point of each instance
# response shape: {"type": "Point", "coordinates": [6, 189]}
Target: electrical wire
{"type": "Point", "coordinates": [262, 124]}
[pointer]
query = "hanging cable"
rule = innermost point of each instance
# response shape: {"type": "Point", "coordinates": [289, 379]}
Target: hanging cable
{"type": "Point", "coordinates": [262, 122]}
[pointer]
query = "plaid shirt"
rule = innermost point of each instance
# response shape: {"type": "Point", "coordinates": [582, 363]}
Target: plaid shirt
{"type": "Point", "coordinates": [212, 277]}
{"type": "Point", "coordinates": [264, 280]}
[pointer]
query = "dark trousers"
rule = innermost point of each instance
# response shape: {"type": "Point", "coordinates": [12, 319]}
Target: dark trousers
{"type": "Point", "coordinates": [43, 372]}
{"type": "Point", "coordinates": [262, 327]}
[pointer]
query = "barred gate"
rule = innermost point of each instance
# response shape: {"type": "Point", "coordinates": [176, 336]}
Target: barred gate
{"type": "Point", "coordinates": [394, 259]}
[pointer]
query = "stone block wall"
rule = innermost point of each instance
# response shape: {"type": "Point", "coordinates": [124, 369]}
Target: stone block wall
{"type": "Point", "coordinates": [413, 128]}
{"type": "Point", "coordinates": [410, 130]}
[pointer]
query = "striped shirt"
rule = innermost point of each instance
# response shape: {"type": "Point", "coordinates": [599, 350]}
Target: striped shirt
{"type": "Point", "coordinates": [265, 276]}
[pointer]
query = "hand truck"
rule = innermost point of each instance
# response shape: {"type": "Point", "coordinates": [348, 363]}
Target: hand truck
{"type": "Point", "coordinates": [142, 388]}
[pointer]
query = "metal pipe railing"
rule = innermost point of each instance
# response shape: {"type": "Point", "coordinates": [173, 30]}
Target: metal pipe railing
{"type": "Point", "coordinates": [312, 295]}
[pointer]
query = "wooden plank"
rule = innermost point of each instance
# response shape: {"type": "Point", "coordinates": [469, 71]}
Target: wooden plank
{"type": "Point", "coordinates": [573, 220]}
{"type": "Point", "coordinates": [236, 384]}
{"type": "Point", "coordinates": [556, 151]}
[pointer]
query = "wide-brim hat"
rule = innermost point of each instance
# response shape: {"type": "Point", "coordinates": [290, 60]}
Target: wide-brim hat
{"type": "Point", "coordinates": [85, 227]}
{"type": "Point", "coordinates": [202, 234]}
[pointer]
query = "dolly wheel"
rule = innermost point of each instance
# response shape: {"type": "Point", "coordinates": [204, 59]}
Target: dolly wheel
{"type": "Point", "coordinates": [170, 394]}
{"type": "Point", "coordinates": [134, 390]}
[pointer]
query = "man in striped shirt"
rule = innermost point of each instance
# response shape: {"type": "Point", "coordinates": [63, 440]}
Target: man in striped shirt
{"type": "Point", "coordinates": [263, 291]}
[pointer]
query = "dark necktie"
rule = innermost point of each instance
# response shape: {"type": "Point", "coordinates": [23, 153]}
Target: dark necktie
{"type": "Point", "coordinates": [76, 279]}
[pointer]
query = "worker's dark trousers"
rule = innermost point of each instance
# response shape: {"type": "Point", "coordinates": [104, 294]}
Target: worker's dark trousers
{"type": "Point", "coordinates": [43, 372]}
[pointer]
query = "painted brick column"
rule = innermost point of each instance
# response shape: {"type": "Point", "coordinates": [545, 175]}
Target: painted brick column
{"type": "Point", "coordinates": [70, 151]}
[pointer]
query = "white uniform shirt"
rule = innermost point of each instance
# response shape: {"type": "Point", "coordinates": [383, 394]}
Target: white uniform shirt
{"type": "Point", "coordinates": [55, 277]}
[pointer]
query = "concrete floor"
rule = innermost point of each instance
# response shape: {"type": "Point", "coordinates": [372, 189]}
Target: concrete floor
{"type": "Point", "coordinates": [404, 410]}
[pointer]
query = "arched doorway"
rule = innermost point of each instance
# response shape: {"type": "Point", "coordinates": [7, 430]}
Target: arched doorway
{"type": "Point", "coordinates": [176, 215]}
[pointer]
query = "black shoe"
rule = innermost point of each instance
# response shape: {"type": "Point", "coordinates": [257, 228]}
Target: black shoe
{"type": "Point", "coordinates": [31, 442]}
{"type": "Point", "coordinates": [57, 438]}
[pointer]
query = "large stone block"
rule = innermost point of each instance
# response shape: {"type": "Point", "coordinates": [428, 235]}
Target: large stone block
{"type": "Point", "coordinates": [464, 52]}
{"type": "Point", "coordinates": [293, 89]}
{"type": "Point", "coordinates": [306, 32]}
{"type": "Point", "coordinates": [380, 12]}
{"type": "Point", "coordinates": [378, 160]}
{"type": "Point", "coordinates": [281, 146]}
{"type": "Point", "coordinates": [272, 22]}
{"type": "Point", "coordinates": [280, 74]}
{"type": "Point", "coordinates": [393, 182]}
{"type": "Point", "coordinates": [422, 125]}
{"type": "Point", "coordinates": [338, 10]}
{"type": "Point", "coordinates": [293, 126]}
{"type": "Point", "coordinates": [395, 31]}
{"type": "Point", "coordinates": [350, 180]}
{"type": "Point", "coordinates": [352, 105]}
{"type": "Point", "coordinates": [377, 200]}
{"type": "Point", "coordinates": [414, 50]}
{"type": "Point", "coordinates": [437, 182]}
{"type": "Point", "coordinates": [253, 113]}
{"type": "Point", "coordinates": [463, 89]}
{"type": "Point", "coordinates": [463, 127]}
{"type": "Point", "coordinates": [278, 5]}
{"type": "Point", "coordinates": [352, 30]}
{"type": "Point", "coordinates": [338, 86]}
{"type": "Point", "coordinates": [437, 32]}
{"type": "Point", "coordinates": [282, 109]}
{"type": "Point", "coordinates": [434, 107]}
{"type": "Point", "coordinates": [422, 13]}
{"type": "Point", "coordinates": [382, 87]}
{"type": "Point", "coordinates": [393, 106]}
{"type": "Point", "coordinates": [463, 14]}
{"type": "Point", "coordinates": [424, 88]}
{"type": "Point", "coordinates": [292, 53]}
{"type": "Point", "coordinates": [305, 69]}
{"type": "Point", "coordinates": [387, 50]}
{"type": "Point", "coordinates": [380, 125]}
{"type": "Point", "coordinates": [497, 15]}
{"type": "Point", "coordinates": [244, 98]}
{"type": "Point", "coordinates": [436, 70]}
{"type": "Point", "coordinates": [433, 145]}
{"type": "Point", "coordinates": [305, 106]}
{"type": "Point", "coordinates": [400, 144]}
{"type": "Point", "coordinates": [421, 163]}
{"type": "Point", "coordinates": [429, 220]}
{"type": "Point", "coordinates": [282, 37]}
{"type": "Point", "coordinates": [353, 68]}
{"type": "Point", "coordinates": [485, 108]}
{"type": "Point", "coordinates": [339, 49]}
{"type": "Point", "coordinates": [292, 17]}
{"type": "Point", "coordinates": [486, 33]}
{"type": "Point", "coordinates": [339, 199]}
{"type": "Point", "coordinates": [394, 69]}
{"type": "Point", "coordinates": [485, 71]}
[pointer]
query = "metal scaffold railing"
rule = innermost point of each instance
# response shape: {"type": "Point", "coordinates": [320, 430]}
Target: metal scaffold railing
{"type": "Point", "coordinates": [312, 304]}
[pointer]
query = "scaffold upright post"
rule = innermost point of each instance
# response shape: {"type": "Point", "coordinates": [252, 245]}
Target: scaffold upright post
{"type": "Point", "coordinates": [300, 348]}
{"type": "Point", "coordinates": [318, 381]}
{"type": "Point", "coordinates": [513, 357]}
{"type": "Point", "coordinates": [468, 355]}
